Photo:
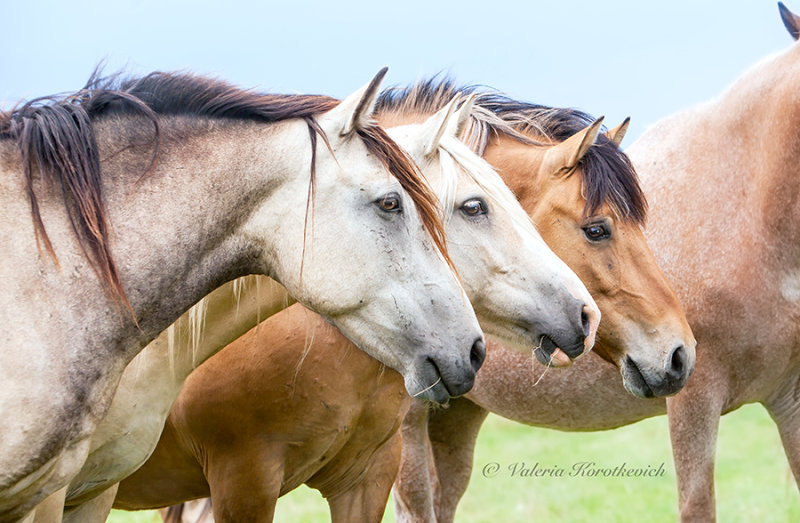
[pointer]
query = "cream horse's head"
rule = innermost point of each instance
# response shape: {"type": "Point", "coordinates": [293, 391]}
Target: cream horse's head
{"type": "Point", "coordinates": [363, 234]}
{"type": "Point", "coordinates": [521, 291]}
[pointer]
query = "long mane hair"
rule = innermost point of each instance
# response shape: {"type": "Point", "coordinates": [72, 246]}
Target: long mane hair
{"type": "Point", "coordinates": [56, 139]}
{"type": "Point", "coordinates": [607, 175]}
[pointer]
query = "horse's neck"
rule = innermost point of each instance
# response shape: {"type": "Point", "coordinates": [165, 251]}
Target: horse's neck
{"type": "Point", "coordinates": [177, 229]}
{"type": "Point", "coordinates": [767, 111]}
{"type": "Point", "coordinates": [737, 155]}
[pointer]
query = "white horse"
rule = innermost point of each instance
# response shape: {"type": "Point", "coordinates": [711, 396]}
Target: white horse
{"type": "Point", "coordinates": [227, 194]}
{"type": "Point", "coordinates": [519, 288]}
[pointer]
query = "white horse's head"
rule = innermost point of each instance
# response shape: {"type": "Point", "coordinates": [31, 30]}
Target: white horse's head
{"type": "Point", "coordinates": [521, 291]}
{"type": "Point", "coordinates": [369, 241]}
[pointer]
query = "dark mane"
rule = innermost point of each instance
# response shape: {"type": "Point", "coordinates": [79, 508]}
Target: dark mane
{"type": "Point", "coordinates": [55, 137]}
{"type": "Point", "coordinates": [608, 177]}
{"type": "Point", "coordinates": [193, 95]}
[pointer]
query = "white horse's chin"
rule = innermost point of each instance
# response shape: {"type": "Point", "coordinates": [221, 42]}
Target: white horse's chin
{"type": "Point", "coordinates": [556, 358]}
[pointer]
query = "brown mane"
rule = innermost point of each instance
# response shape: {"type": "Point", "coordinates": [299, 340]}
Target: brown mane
{"type": "Point", "coordinates": [55, 137]}
{"type": "Point", "coordinates": [608, 177]}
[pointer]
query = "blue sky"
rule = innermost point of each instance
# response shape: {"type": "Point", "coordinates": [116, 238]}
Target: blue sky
{"type": "Point", "coordinates": [644, 59]}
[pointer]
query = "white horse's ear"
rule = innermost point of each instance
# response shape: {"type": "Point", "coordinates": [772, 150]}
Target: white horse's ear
{"type": "Point", "coordinates": [460, 119]}
{"type": "Point", "coordinates": [435, 127]}
{"type": "Point", "coordinates": [617, 134]}
{"type": "Point", "coordinates": [790, 20]}
{"type": "Point", "coordinates": [566, 155]}
{"type": "Point", "coordinates": [356, 110]}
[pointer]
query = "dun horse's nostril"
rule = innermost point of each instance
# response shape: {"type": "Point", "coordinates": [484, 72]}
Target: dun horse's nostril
{"type": "Point", "coordinates": [477, 354]}
{"type": "Point", "coordinates": [677, 362]}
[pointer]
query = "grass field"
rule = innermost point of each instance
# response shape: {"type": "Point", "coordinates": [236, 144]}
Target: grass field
{"type": "Point", "coordinates": [754, 482]}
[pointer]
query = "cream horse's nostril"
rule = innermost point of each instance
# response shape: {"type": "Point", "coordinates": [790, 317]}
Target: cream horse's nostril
{"type": "Point", "coordinates": [585, 322]}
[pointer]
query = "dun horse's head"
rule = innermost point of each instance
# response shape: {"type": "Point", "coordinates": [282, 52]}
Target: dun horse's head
{"type": "Point", "coordinates": [584, 196]}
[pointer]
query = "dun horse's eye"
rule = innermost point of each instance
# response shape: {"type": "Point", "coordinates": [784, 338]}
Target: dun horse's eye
{"type": "Point", "coordinates": [474, 207]}
{"type": "Point", "coordinates": [596, 232]}
{"type": "Point", "coordinates": [390, 203]}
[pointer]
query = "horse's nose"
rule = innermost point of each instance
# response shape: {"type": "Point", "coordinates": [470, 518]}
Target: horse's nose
{"type": "Point", "coordinates": [585, 322]}
{"type": "Point", "coordinates": [477, 354]}
{"type": "Point", "coordinates": [590, 319]}
{"type": "Point", "coordinates": [676, 363]}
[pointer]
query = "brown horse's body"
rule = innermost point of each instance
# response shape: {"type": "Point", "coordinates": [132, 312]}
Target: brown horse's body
{"type": "Point", "coordinates": [255, 424]}
{"type": "Point", "coordinates": [723, 190]}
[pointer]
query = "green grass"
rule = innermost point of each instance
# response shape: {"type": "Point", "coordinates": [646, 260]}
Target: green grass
{"type": "Point", "coordinates": [753, 480]}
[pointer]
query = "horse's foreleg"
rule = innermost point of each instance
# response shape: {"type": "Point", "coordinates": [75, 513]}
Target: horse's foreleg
{"type": "Point", "coordinates": [96, 509]}
{"type": "Point", "coordinates": [245, 483]}
{"type": "Point", "coordinates": [366, 501]}
{"type": "Point", "coordinates": [49, 510]}
{"type": "Point", "coordinates": [784, 408]}
{"type": "Point", "coordinates": [413, 488]}
{"type": "Point", "coordinates": [693, 425]}
{"type": "Point", "coordinates": [453, 433]}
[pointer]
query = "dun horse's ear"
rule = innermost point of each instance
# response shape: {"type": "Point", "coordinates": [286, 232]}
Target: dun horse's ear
{"type": "Point", "coordinates": [566, 155]}
{"type": "Point", "coordinates": [617, 134]}
{"type": "Point", "coordinates": [436, 126]}
{"type": "Point", "coordinates": [356, 110]}
{"type": "Point", "coordinates": [790, 20]}
{"type": "Point", "coordinates": [460, 119]}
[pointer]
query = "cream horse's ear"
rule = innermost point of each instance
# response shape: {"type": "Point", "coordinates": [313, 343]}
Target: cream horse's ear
{"type": "Point", "coordinates": [617, 134]}
{"type": "Point", "coordinates": [435, 127]}
{"type": "Point", "coordinates": [790, 20]}
{"type": "Point", "coordinates": [460, 119]}
{"type": "Point", "coordinates": [356, 110]}
{"type": "Point", "coordinates": [566, 155]}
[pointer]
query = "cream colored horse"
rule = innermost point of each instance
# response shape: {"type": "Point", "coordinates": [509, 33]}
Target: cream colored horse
{"type": "Point", "coordinates": [226, 195]}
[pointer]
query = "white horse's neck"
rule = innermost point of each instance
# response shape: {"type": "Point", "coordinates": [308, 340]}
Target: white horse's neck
{"type": "Point", "coordinates": [224, 166]}
{"type": "Point", "coordinates": [170, 254]}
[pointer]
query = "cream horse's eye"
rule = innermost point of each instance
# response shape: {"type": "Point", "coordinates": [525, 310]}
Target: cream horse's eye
{"type": "Point", "coordinates": [474, 207]}
{"type": "Point", "coordinates": [390, 203]}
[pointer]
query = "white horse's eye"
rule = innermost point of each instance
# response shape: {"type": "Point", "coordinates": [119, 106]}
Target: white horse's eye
{"type": "Point", "coordinates": [474, 207]}
{"type": "Point", "coordinates": [390, 203]}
